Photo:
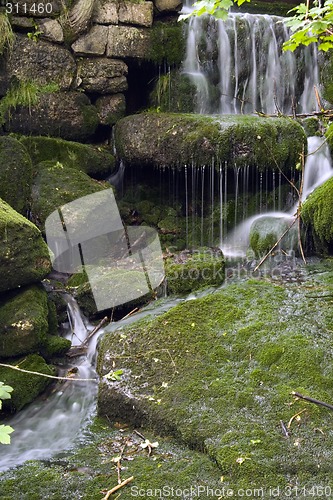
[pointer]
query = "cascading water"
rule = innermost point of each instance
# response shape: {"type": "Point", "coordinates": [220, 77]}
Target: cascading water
{"type": "Point", "coordinates": [55, 424]}
{"type": "Point", "coordinates": [318, 168]}
{"type": "Point", "coordinates": [238, 66]}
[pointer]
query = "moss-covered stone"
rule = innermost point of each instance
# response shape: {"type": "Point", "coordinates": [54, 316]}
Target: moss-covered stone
{"type": "Point", "coordinates": [92, 160]}
{"type": "Point", "coordinates": [23, 322]}
{"type": "Point", "coordinates": [317, 215]}
{"type": "Point", "coordinates": [266, 231]}
{"type": "Point", "coordinates": [55, 346]}
{"type": "Point", "coordinates": [166, 139]}
{"type": "Point", "coordinates": [218, 373]}
{"type": "Point", "coordinates": [192, 270]}
{"type": "Point", "coordinates": [329, 136]}
{"type": "Point", "coordinates": [26, 386]}
{"type": "Point", "coordinates": [15, 174]}
{"type": "Point", "coordinates": [24, 256]}
{"type": "Point", "coordinates": [55, 185]}
{"type": "Point", "coordinates": [121, 280]}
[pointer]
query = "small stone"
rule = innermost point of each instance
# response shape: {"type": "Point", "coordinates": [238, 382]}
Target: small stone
{"type": "Point", "coordinates": [140, 14]}
{"type": "Point", "coordinates": [105, 13]}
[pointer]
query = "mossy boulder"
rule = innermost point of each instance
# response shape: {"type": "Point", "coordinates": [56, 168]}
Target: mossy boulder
{"type": "Point", "coordinates": [24, 256]}
{"type": "Point", "coordinates": [266, 231]}
{"type": "Point", "coordinates": [167, 43]}
{"type": "Point", "coordinates": [57, 184]}
{"type": "Point", "coordinates": [92, 160]}
{"type": "Point", "coordinates": [218, 373]}
{"type": "Point", "coordinates": [55, 347]}
{"type": "Point", "coordinates": [69, 115]}
{"type": "Point", "coordinates": [192, 270]}
{"type": "Point", "coordinates": [23, 322]}
{"type": "Point", "coordinates": [167, 139]}
{"type": "Point", "coordinates": [317, 215]}
{"type": "Point", "coordinates": [26, 385]}
{"type": "Point", "coordinates": [15, 174]}
{"type": "Point", "coordinates": [123, 283]}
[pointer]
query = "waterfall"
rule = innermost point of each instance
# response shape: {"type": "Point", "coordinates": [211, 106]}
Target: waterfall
{"type": "Point", "coordinates": [238, 66]}
{"type": "Point", "coordinates": [318, 169]}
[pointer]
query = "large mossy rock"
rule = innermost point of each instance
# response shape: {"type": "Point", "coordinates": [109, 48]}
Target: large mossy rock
{"type": "Point", "coordinates": [166, 139]}
{"type": "Point", "coordinates": [218, 372]}
{"type": "Point", "coordinates": [92, 160]}
{"type": "Point", "coordinates": [24, 256]}
{"type": "Point", "coordinates": [41, 62]}
{"type": "Point", "coordinates": [15, 174]}
{"type": "Point", "coordinates": [26, 385]}
{"type": "Point", "coordinates": [69, 115]}
{"type": "Point", "coordinates": [55, 185]}
{"type": "Point", "coordinates": [23, 322]}
{"type": "Point", "coordinates": [317, 215]}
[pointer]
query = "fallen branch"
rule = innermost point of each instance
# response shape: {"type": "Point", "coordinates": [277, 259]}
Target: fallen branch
{"type": "Point", "coordinates": [284, 429]}
{"type": "Point", "coordinates": [312, 400]}
{"type": "Point", "coordinates": [46, 375]}
{"type": "Point", "coordinates": [95, 330]}
{"type": "Point", "coordinates": [116, 488]}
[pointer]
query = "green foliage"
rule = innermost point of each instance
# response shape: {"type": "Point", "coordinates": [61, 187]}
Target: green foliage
{"type": "Point", "coordinates": [7, 36]}
{"type": "Point", "coordinates": [5, 430]}
{"type": "Point", "coordinates": [34, 35]}
{"type": "Point", "coordinates": [311, 25]}
{"type": "Point", "coordinates": [308, 25]}
{"type": "Point", "coordinates": [23, 93]}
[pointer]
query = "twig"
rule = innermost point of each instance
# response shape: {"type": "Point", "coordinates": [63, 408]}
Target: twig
{"type": "Point", "coordinates": [95, 330]}
{"type": "Point", "coordinates": [275, 244]}
{"type": "Point", "coordinates": [295, 416]}
{"type": "Point", "coordinates": [116, 488]}
{"type": "Point", "coordinates": [299, 237]}
{"type": "Point", "coordinates": [47, 376]}
{"type": "Point", "coordinates": [312, 400]}
{"type": "Point", "coordinates": [285, 431]}
{"type": "Point", "coordinates": [139, 434]}
{"type": "Point", "coordinates": [130, 313]}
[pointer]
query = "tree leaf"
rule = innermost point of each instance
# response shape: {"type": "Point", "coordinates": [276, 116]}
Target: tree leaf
{"type": "Point", "coordinates": [5, 430]}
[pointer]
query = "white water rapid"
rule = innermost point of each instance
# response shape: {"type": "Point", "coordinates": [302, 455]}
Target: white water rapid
{"type": "Point", "coordinates": [56, 422]}
{"type": "Point", "coordinates": [238, 66]}
{"type": "Point", "coordinates": [318, 169]}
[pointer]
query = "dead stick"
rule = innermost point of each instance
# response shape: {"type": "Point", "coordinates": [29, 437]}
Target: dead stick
{"type": "Point", "coordinates": [285, 431]}
{"type": "Point", "coordinates": [95, 330]}
{"type": "Point", "coordinates": [46, 375]}
{"type": "Point", "coordinates": [312, 400]}
{"type": "Point", "coordinates": [116, 488]}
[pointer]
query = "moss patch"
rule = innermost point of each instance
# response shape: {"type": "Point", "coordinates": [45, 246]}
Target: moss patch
{"type": "Point", "coordinates": [218, 373]}
{"type": "Point", "coordinates": [173, 92]}
{"type": "Point", "coordinates": [15, 174]}
{"type": "Point", "coordinates": [190, 271]}
{"type": "Point", "coordinates": [318, 216]}
{"type": "Point", "coordinates": [92, 160]}
{"type": "Point", "coordinates": [24, 256]}
{"type": "Point", "coordinates": [26, 386]}
{"type": "Point", "coordinates": [166, 139]}
{"type": "Point", "coordinates": [167, 43]}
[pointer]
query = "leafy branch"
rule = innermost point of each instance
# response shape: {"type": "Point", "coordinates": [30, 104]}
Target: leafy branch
{"type": "Point", "coordinates": [5, 430]}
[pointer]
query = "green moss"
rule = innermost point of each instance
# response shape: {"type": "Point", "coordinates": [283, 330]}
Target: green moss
{"type": "Point", "coordinates": [55, 185]}
{"type": "Point", "coordinates": [167, 139]}
{"type": "Point", "coordinates": [26, 387]}
{"type": "Point", "coordinates": [92, 160]}
{"type": "Point", "coordinates": [167, 43]}
{"type": "Point", "coordinates": [24, 256]}
{"type": "Point", "coordinates": [15, 174]}
{"type": "Point", "coordinates": [23, 322]}
{"type": "Point", "coordinates": [266, 231]}
{"type": "Point", "coordinates": [318, 216]}
{"type": "Point", "coordinates": [217, 373]}
{"type": "Point", "coordinates": [192, 271]}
